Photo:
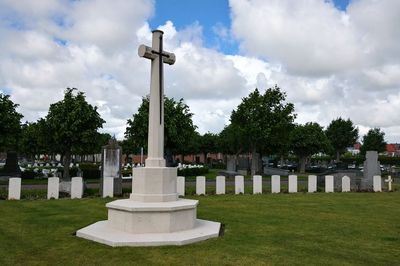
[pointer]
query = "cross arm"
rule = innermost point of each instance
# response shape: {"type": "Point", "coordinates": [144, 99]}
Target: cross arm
{"type": "Point", "coordinates": [149, 53]}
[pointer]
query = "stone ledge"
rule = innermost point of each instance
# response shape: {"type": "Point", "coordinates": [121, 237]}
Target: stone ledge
{"type": "Point", "coordinates": [101, 232]}
{"type": "Point", "coordinates": [131, 206]}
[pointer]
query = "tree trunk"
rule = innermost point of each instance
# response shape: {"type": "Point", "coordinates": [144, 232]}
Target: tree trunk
{"type": "Point", "coordinates": [281, 161]}
{"type": "Point", "coordinates": [67, 161]}
{"type": "Point", "coordinates": [303, 160]}
{"type": "Point", "coordinates": [337, 156]}
{"type": "Point", "coordinates": [254, 161]}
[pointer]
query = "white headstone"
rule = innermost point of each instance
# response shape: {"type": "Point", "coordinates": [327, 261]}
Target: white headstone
{"type": "Point", "coordinates": [53, 187]}
{"type": "Point", "coordinates": [312, 183]}
{"type": "Point", "coordinates": [180, 185]}
{"type": "Point", "coordinates": [292, 184]}
{"type": "Point", "coordinates": [345, 184]}
{"type": "Point", "coordinates": [200, 185]}
{"type": "Point", "coordinates": [239, 184]}
{"type": "Point", "coordinates": [220, 186]}
{"type": "Point", "coordinates": [108, 186]}
{"type": "Point", "coordinates": [329, 183]}
{"type": "Point", "coordinates": [275, 183]}
{"type": "Point", "coordinates": [76, 187]}
{"type": "Point", "coordinates": [377, 183]}
{"type": "Point", "coordinates": [14, 188]}
{"type": "Point", "coordinates": [257, 184]}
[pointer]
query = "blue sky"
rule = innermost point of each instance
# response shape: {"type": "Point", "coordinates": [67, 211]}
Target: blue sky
{"type": "Point", "coordinates": [209, 14]}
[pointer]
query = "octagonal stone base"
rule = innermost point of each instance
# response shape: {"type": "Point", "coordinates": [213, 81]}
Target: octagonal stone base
{"type": "Point", "coordinates": [134, 223]}
{"type": "Point", "coordinates": [101, 232]}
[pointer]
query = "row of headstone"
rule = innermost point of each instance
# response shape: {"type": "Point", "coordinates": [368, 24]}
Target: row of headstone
{"type": "Point", "coordinates": [275, 184]}
{"type": "Point", "coordinates": [53, 187]}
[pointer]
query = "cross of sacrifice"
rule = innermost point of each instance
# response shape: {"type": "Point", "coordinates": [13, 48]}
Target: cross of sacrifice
{"type": "Point", "coordinates": [389, 180]}
{"type": "Point", "coordinates": [156, 111]}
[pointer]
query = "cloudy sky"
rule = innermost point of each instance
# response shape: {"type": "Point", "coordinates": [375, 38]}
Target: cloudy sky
{"type": "Point", "coordinates": [333, 58]}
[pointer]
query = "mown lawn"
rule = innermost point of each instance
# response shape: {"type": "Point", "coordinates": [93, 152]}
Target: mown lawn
{"type": "Point", "coordinates": [279, 229]}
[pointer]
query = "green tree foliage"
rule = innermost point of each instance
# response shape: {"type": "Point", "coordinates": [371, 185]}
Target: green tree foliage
{"type": "Point", "coordinates": [307, 140]}
{"type": "Point", "coordinates": [374, 140]}
{"type": "Point", "coordinates": [263, 120]}
{"type": "Point", "coordinates": [73, 124]}
{"type": "Point", "coordinates": [341, 134]}
{"type": "Point", "coordinates": [10, 124]}
{"type": "Point", "coordinates": [230, 141]}
{"type": "Point", "coordinates": [178, 126]}
{"type": "Point", "coordinates": [208, 144]}
{"type": "Point", "coordinates": [34, 138]}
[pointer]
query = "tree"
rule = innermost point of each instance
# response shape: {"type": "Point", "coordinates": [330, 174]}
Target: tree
{"type": "Point", "coordinates": [33, 139]}
{"type": "Point", "coordinates": [73, 125]}
{"type": "Point", "coordinates": [341, 134]}
{"type": "Point", "coordinates": [10, 124]}
{"type": "Point", "coordinates": [307, 140]}
{"type": "Point", "coordinates": [261, 121]}
{"type": "Point", "coordinates": [178, 126]}
{"type": "Point", "coordinates": [374, 140]}
{"type": "Point", "coordinates": [208, 144]}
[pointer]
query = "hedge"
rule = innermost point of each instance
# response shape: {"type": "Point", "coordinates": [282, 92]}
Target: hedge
{"type": "Point", "coordinates": [195, 171]}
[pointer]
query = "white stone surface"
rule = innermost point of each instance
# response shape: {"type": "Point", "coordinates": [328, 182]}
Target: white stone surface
{"type": "Point", "coordinates": [101, 232]}
{"type": "Point", "coordinates": [14, 188]}
{"type": "Point", "coordinates": [377, 183]}
{"type": "Point", "coordinates": [220, 185]}
{"type": "Point", "coordinates": [312, 183]}
{"type": "Point", "coordinates": [108, 186]}
{"type": "Point", "coordinates": [53, 187]}
{"type": "Point", "coordinates": [329, 183]}
{"type": "Point", "coordinates": [345, 184]}
{"type": "Point", "coordinates": [200, 185]}
{"type": "Point", "coordinates": [180, 185]}
{"type": "Point", "coordinates": [275, 183]}
{"type": "Point", "coordinates": [292, 184]}
{"type": "Point", "coordinates": [154, 184]}
{"type": "Point", "coordinates": [76, 187]}
{"type": "Point", "coordinates": [257, 184]}
{"type": "Point", "coordinates": [239, 184]}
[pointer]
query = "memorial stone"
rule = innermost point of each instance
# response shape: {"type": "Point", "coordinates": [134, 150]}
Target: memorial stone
{"type": "Point", "coordinates": [275, 184]}
{"type": "Point", "coordinates": [111, 166]}
{"type": "Point", "coordinates": [257, 184]}
{"type": "Point", "coordinates": [371, 168]}
{"type": "Point", "coordinates": [345, 184]}
{"type": "Point", "coordinates": [53, 187]}
{"type": "Point", "coordinates": [76, 187]}
{"type": "Point", "coordinates": [180, 185]}
{"type": "Point", "coordinates": [108, 186]}
{"type": "Point", "coordinates": [329, 183]}
{"type": "Point", "coordinates": [239, 184]}
{"type": "Point", "coordinates": [14, 188]}
{"type": "Point", "coordinates": [200, 185]}
{"type": "Point", "coordinates": [220, 186]}
{"type": "Point", "coordinates": [292, 184]}
{"type": "Point", "coordinates": [312, 183]}
{"type": "Point", "coordinates": [377, 183]}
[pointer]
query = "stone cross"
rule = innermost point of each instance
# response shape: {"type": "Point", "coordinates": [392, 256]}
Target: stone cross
{"type": "Point", "coordinates": [156, 111]}
{"type": "Point", "coordinates": [389, 180]}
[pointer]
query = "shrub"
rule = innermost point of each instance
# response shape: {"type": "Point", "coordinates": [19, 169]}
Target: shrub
{"type": "Point", "coordinates": [28, 174]}
{"type": "Point", "coordinates": [195, 171]}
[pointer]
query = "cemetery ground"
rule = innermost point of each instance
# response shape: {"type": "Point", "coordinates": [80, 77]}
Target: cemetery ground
{"type": "Point", "coordinates": [275, 229]}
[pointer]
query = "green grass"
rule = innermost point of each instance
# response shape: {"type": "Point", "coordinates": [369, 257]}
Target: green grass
{"type": "Point", "coordinates": [281, 229]}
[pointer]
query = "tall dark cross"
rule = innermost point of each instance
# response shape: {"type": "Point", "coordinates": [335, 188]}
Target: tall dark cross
{"type": "Point", "coordinates": [156, 122]}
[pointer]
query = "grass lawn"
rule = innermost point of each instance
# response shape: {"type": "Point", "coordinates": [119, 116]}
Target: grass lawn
{"type": "Point", "coordinates": [280, 229]}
